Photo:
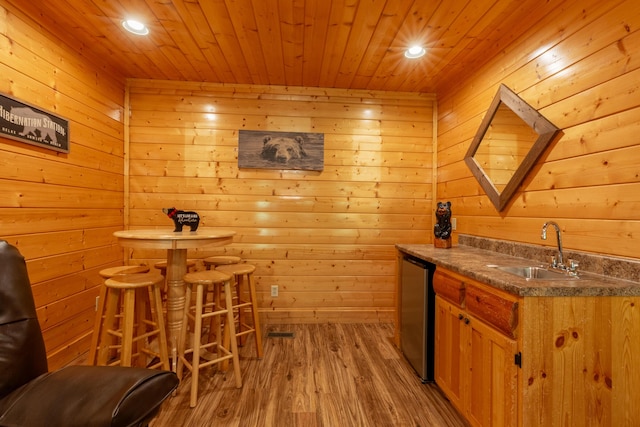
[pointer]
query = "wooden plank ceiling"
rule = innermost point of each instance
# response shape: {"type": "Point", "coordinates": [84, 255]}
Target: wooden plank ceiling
{"type": "Point", "coordinates": [355, 44]}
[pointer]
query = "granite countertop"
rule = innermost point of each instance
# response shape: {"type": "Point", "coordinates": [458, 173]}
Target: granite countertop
{"type": "Point", "coordinates": [474, 262]}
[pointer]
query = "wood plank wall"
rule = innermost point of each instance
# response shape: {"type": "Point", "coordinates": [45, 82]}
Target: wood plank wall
{"type": "Point", "coordinates": [325, 238]}
{"type": "Point", "coordinates": [60, 210]}
{"type": "Point", "coordinates": [579, 66]}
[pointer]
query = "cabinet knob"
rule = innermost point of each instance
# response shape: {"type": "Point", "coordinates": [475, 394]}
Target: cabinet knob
{"type": "Point", "coordinates": [460, 316]}
{"type": "Point", "coordinates": [466, 320]}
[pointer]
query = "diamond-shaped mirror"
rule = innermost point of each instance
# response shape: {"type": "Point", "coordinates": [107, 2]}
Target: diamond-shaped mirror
{"type": "Point", "coordinates": [507, 144]}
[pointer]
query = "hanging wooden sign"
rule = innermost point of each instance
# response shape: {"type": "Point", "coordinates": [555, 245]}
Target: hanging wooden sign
{"type": "Point", "coordinates": [26, 123]}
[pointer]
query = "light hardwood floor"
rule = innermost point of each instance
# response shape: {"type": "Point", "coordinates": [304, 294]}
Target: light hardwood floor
{"type": "Point", "coordinates": [326, 375]}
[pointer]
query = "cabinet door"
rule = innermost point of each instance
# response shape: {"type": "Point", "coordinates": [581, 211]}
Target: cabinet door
{"type": "Point", "coordinates": [492, 376]}
{"type": "Point", "coordinates": [448, 351]}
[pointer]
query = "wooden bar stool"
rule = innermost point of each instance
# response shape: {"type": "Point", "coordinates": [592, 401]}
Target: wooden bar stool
{"type": "Point", "coordinates": [141, 320]}
{"type": "Point", "coordinates": [120, 270]}
{"type": "Point", "coordinates": [202, 309]}
{"type": "Point", "coordinates": [215, 261]}
{"type": "Point", "coordinates": [107, 273]}
{"type": "Point", "coordinates": [245, 301]}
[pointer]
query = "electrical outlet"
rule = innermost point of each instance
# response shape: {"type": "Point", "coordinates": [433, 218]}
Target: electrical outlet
{"type": "Point", "coordinates": [454, 223]}
{"type": "Point", "coordinates": [274, 290]}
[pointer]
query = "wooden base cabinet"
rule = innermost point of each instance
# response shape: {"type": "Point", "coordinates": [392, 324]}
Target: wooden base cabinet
{"type": "Point", "coordinates": [475, 367]}
{"type": "Point", "coordinates": [579, 356]}
{"type": "Point", "coordinates": [581, 361]}
{"type": "Point", "coordinates": [475, 362]}
{"type": "Point", "coordinates": [449, 347]}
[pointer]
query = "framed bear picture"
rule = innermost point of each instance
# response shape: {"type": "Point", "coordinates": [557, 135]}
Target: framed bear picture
{"type": "Point", "coordinates": [280, 150]}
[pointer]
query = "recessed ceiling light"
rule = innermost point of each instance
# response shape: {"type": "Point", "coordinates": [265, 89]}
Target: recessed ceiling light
{"type": "Point", "coordinates": [135, 27]}
{"type": "Point", "coordinates": [414, 52]}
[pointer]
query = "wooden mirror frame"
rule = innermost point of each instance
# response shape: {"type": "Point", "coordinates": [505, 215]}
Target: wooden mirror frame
{"type": "Point", "coordinates": [546, 131]}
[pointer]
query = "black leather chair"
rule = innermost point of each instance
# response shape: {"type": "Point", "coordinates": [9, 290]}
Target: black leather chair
{"type": "Point", "coordinates": [74, 395]}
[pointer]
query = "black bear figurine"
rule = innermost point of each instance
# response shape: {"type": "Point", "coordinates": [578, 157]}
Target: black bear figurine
{"type": "Point", "coordinates": [182, 218]}
{"type": "Point", "coordinates": [442, 229]}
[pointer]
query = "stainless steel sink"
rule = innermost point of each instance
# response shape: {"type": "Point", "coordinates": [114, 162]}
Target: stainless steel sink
{"type": "Point", "coordinates": [537, 272]}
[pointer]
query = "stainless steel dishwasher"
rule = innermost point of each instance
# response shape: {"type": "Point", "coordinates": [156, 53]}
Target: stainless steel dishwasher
{"type": "Point", "coordinates": [417, 304]}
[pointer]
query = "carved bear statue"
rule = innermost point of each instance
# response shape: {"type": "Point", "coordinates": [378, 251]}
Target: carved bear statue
{"type": "Point", "coordinates": [442, 229]}
{"type": "Point", "coordinates": [182, 218]}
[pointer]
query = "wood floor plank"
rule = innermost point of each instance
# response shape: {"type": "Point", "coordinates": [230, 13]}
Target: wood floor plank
{"type": "Point", "coordinates": [326, 375]}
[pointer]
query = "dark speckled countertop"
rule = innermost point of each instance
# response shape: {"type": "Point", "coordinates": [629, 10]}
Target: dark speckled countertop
{"type": "Point", "coordinates": [474, 262]}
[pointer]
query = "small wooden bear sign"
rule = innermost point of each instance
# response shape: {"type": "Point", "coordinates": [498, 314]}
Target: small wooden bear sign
{"type": "Point", "coordinates": [442, 229]}
{"type": "Point", "coordinates": [182, 218]}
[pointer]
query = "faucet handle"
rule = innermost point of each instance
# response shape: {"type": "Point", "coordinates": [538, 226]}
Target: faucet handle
{"type": "Point", "coordinates": [553, 261]}
{"type": "Point", "coordinates": [573, 265]}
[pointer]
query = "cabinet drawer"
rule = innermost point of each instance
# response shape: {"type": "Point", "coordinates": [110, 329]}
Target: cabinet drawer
{"type": "Point", "coordinates": [448, 287]}
{"type": "Point", "coordinates": [495, 309]}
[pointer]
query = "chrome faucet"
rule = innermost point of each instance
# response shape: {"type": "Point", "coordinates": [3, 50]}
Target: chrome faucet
{"type": "Point", "coordinates": [558, 261]}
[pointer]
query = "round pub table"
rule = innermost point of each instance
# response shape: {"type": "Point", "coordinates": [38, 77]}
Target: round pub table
{"type": "Point", "coordinates": [176, 244]}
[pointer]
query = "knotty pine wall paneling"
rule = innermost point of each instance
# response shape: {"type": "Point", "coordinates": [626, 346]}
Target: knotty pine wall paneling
{"type": "Point", "coordinates": [61, 210]}
{"type": "Point", "coordinates": [580, 67]}
{"type": "Point", "coordinates": [325, 238]}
